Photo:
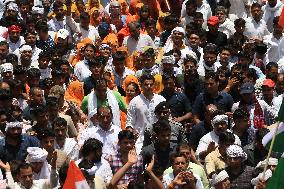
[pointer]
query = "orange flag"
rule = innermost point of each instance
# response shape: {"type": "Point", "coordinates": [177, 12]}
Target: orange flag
{"type": "Point", "coordinates": [75, 178]}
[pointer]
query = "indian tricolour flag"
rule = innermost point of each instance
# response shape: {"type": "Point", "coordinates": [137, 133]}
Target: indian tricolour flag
{"type": "Point", "coordinates": [277, 179]}
{"type": "Point", "coordinates": [75, 178]}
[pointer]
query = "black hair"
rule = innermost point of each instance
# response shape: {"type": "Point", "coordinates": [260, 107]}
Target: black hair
{"type": "Point", "coordinates": [240, 114]}
{"type": "Point", "coordinates": [89, 45]}
{"type": "Point", "coordinates": [84, 16]}
{"type": "Point", "coordinates": [171, 19]}
{"type": "Point", "coordinates": [24, 2]}
{"type": "Point", "coordinates": [57, 4]}
{"type": "Point", "coordinates": [62, 173]}
{"type": "Point", "coordinates": [41, 26]}
{"type": "Point", "coordinates": [189, 58]}
{"type": "Point", "coordinates": [239, 22]}
{"type": "Point", "coordinates": [101, 82]}
{"type": "Point", "coordinates": [29, 32]}
{"type": "Point", "coordinates": [276, 20]}
{"type": "Point", "coordinates": [125, 134]}
{"type": "Point", "coordinates": [136, 86]}
{"type": "Point", "coordinates": [104, 107]}
{"type": "Point", "coordinates": [40, 109]}
{"type": "Point", "coordinates": [119, 56]}
{"type": "Point", "coordinates": [161, 125]}
{"type": "Point", "coordinates": [255, 5]}
{"type": "Point", "coordinates": [150, 22]}
{"type": "Point", "coordinates": [226, 138]}
{"type": "Point", "coordinates": [191, 2]}
{"type": "Point", "coordinates": [146, 76]}
{"type": "Point", "coordinates": [271, 65]}
{"type": "Point", "coordinates": [176, 155]}
{"type": "Point", "coordinates": [12, 58]}
{"type": "Point", "coordinates": [211, 75]}
{"type": "Point", "coordinates": [34, 73]}
{"type": "Point", "coordinates": [59, 121]}
{"type": "Point", "coordinates": [51, 101]}
{"type": "Point", "coordinates": [166, 77]}
{"type": "Point", "coordinates": [24, 165]}
{"type": "Point", "coordinates": [2, 43]}
{"type": "Point", "coordinates": [252, 74]}
{"type": "Point", "coordinates": [44, 54]}
{"type": "Point", "coordinates": [45, 133]}
{"type": "Point", "coordinates": [198, 15]}
{"type": "Point", "coordinates": [161, 105]}
{"type": "Point", "coordinates": [211, 48]}
{"type": "Point", "coordinates": [57, 72]}
{"type": "Point", "coordinates": [5, 94]}
{"type": "Point", "coordinates": [19, 69]}
{"type": "Point", "coordinates": [260, 133]}
{"type": "Point", "coordinates": [91, 145]}
{"type": "Point", "coordinates": [46, 83]}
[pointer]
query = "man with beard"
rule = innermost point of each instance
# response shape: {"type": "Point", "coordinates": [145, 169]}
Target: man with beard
{"type": "Point", "coordinates": [62, 142]}
{"type": "Point", "coordinates": [35, 98]}
{"type": "Point", "coordinates": [59, 21]}
{"type": "Point", "coordinates": [208, 142]}
{"type": "Point", "coordinates": [271, 71]}
{"type": "Point", "coordinates": [180, 177]}
{"type": "Point", "coordinates": [193, 85]}
{"type": "Point", "coordinates": [14, 39]}
{"type": "Point", "coordinates": [209, 58]}
{"type": "Point", "coordinates": [11, 17]}
{"type": "Point", "coordinates": [212, 95]}
{"type": "Point", "coordinates": [26, 56]}
{"type": "Point", "coordinates": [136, 40]}
{"type": "Point", "coordinates": [4, 50]}
{"type": "Point", "coordinates": [14, 145]}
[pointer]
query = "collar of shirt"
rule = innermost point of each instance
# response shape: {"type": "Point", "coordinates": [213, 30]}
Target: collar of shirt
{"type": "Point", "coordinates": [111, 129]}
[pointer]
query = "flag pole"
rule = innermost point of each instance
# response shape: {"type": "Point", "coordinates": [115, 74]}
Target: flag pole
{"type": "Point", "coordinates": [168, 5]}
{"type": "Point", "coordinates": [270, 149]}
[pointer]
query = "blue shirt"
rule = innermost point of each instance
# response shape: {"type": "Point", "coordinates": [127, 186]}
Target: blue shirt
{"type": "Point", "coordinates": [223, 101]}
{"type": "Point", "coordinates": [9, 152]}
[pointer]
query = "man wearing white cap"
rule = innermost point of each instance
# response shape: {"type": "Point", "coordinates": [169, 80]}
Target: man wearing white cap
{"type": "Point", "coordinates": [25, 179]}
{"type": "Point", "coordinates": [168, 66]}
{"type": "Point", "coordinates": [240, 175]}
{"type": "Point", "coordinates": [209, 141]}
{"type": "Point", "coordinates": [220, 180]}
{"type": "Point", "coordinates": [37, 158]}
{"type": "Point", "coordinates": [37, 12]}
{"type": "Point", "coordinates": [14, 145]}
{"type": "Point", "coordinates": [6, 71]}
{"type": "Point", "coordinates": [26, 57]}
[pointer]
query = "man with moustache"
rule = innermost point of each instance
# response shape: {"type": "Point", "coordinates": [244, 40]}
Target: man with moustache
{"type": "Point", "coordinates": [14, 145]}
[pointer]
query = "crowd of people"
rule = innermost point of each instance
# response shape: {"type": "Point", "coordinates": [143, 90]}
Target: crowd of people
{"type": "Point", "coordinates": [154, 94]}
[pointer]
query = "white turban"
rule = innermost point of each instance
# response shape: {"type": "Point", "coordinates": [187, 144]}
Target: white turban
{"type": "Point", "coordinates": [234, 151]}
{"type": "Point", "coordinates": [13, 6]}
{"type": "Point", "coordinates": [25, 48]}
{"type": "Point", "coordinates": [267, 175]}
{"type": "Point", "coordinates": [6, 67]}
{"type": "Point", "coordinates": [219, 118]}
{"type": "Point", "coordinates": [216, 178]}
{"type": "Point", "coordinates": [168, 59]}
{"type": "Point", "coordinates": [37, 10]}
{"type": "Point", "coordinates": [178, 29]}
{"type": "Point", "coordinates": [36, 154]}
{"type": "Point", "coordinates": [13, 125]}
{"type": "Point", "coordinates": [271, 161]}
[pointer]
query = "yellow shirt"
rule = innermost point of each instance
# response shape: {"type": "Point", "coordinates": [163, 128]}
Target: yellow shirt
{"type": "Point", "coordinates": [214, 161]}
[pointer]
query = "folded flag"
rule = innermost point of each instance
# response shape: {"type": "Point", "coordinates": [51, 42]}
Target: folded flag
{"type": "Point", "coordinates": [75, 178]}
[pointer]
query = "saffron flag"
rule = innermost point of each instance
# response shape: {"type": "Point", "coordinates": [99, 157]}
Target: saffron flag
{"type": "Point", "coordinates": [281, 18]}
{"type": "Point", "coordinates": [75, 178]}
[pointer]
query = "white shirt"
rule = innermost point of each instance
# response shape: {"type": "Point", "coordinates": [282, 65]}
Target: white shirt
{"type": "Point", "coordinates": [14, 46]}
{"type": "Point", "coordinates": [71, 148]}
{"type": "Point", "coordinates": [133, 45]}
{"type": "Point", "coordinates": [273, 45]}
{"type": "Point", "coordinates": [119, 80]}
{"type": "Point", "coordinates": [270, 12]}
{"type": "Point", "coordinates": [101, 169]}
{"type": "Point", "coordinates": [55, 25]}
{"type": "Point", "coordinates": [140, 115]}
{"type": "Point", "coordinates": [201, 69]}
{"type": "Point", "coordinates": [81, 70]}
{"type": "Point", "coordinates": [108, 138]}
{"type": "Point", "coordinates": [91, 33]}
{"type": "Point", "coordinates": [212, 137]}
{"type": "Point", "coordinates": [45, 73]}
{"type": "Point", "coordinates": [168, 178]}
{"type": "Point", "coordinates": [276, 102]}
{"type": "Point", "coordinates": [153, 71]}
{"type": "Point", "coordinates": [37, 184]}
{"type": "Point", "coordinates": [255, 29]}
{"type": "Point", "coordinates": [227, 28]}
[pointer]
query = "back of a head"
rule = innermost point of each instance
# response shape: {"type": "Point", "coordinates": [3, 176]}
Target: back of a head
{"type": "Point", "coordinates": [226, 138]}
{"type": "Point", "coordinates": [161, 126]}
